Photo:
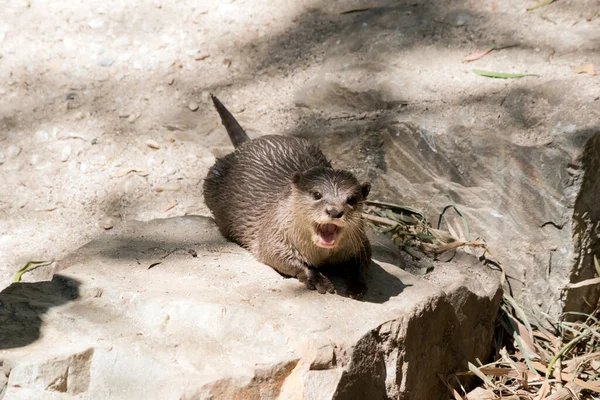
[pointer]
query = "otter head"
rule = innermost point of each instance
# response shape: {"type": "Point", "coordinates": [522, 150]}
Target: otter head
{"type": "Point", "coordinates": [329, 201]}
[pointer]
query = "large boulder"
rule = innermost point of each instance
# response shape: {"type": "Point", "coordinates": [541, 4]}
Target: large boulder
{"type": "Point", "coordinates": [537, 206]}
{"type": "Point", "coordinates": [168, 309]}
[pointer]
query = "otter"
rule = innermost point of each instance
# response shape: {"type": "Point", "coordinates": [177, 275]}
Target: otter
{"type": "Point", "coordinates": [280, 198]}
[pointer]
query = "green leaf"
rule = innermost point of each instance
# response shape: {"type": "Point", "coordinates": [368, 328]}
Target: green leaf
{"type": "Point", "coordinates": [500, 75]}
{"type": "Point", "coordinates": [29, 264]}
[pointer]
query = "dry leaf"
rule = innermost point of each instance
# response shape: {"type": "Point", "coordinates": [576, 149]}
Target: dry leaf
{"type": "Point", "coordinates": [543, 392]}
{"type": "Point", "coordinates": [138, 170]}
{"type": "Point", "coordinates": [477, 55]}
{"type": "Point", "coordinates": [585, 69]}
{"type": "Point", "coordinates": [170, 206]}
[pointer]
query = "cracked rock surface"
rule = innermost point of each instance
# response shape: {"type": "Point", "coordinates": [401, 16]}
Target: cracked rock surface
{"type": "Point", "coordinates": [168, 309]}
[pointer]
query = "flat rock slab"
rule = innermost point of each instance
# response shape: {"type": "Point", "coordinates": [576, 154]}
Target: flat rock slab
{"type": "Point", "coordinates": [168, 309]}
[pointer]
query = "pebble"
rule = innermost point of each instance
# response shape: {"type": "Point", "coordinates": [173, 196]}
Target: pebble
{"type": "Point", "coordinates": [106, 62]}
{"type": "Point", "coordinates": [65, 153]}
{"type": "Point", "coordinates": [205, 96]}
{"type": "Point", "coordinates": [13, 151]}
{"type": "Point", "coordinates": [1, 158]}
{"type": "Point", "coordinates": [133, 117]}
{"type": "Point", "coordinates": [169, 186]}
{"type": "Point", "coordinates": [96, 23]}
{"type": "Point", "coordinates": [78, 115]}
{"type": "Point", "coordinates": [2, 91]}
{"type": "Point", "coordinates": [193, 106]}
{"type": "Point", "coordinates": [107, 223]}
{"type": "Point", "coordinates": [153, 144]}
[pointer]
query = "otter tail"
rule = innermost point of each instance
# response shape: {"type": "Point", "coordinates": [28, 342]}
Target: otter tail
{"type": "Point", "coordinates": [234, 130]}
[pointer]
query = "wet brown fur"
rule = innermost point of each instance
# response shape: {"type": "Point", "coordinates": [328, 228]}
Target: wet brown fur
{"type": "Point", "coordinates": [261, 198]}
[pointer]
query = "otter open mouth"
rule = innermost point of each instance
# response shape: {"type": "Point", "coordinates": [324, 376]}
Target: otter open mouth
{"type": "Point", "coordinates": [327, 235]}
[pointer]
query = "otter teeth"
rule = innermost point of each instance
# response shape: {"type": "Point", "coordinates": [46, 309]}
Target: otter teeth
{"type": "Point", "coordinates": [327, 234]}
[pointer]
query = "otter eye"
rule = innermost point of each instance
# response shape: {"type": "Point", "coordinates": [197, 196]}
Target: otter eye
{"type": "Point", "coordinates": [352, 200]}
{"type": "Point", "coordinates": [316, 195]}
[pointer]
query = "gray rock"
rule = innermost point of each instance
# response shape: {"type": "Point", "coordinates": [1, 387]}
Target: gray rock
{"type": "Point", "coordinates": [220, 325]}
{"type": "Point", "coordinates": [585, 228]}
{"type": "Point", "coordinates": [107, 223]}
{"type": "Point", "coordinates": [525, 201]}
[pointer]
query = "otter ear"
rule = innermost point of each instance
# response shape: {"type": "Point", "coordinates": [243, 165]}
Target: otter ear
{"type": "Point", "coordinates": [365, 188]}
{"type": "Point", "coordinates": [296, 178]}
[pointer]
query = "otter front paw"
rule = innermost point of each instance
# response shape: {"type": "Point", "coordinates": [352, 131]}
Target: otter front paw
{"type": "Point", "coordinates": [356, 289]}
{"type": "Point", "coordinates": [315, 280]}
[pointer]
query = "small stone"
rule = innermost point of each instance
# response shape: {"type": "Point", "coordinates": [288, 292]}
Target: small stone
{"type": "Point", "coordinates": [153, 144]}
{"type": "Point", "coordinates": [205, 96]}
{"type": "Point", "coordinates": [2, 91]}
{"type": "Point", "coordinates": [1, 158]}
{"type": "Point", "coordinates": [96, 23]}
{"type": "Point", "coordinates": [168, 186]}
{"type": "Point", "coordinates": [78, 115]}
{"type": "Point", "coordinates": [107, 223]}
{"type": "Point", "coordinates": [65, 153]}
{"type": "Point", "coordinates": [170, 80]}
{"type": "Point", "coordinates": [193, 106]}
{"type": "Point", "coordinates": [324, 359]}
{"type": "Point", "coordinates": [106, 62]}
{"type": "Point", "coordinates": [13, 151]}
{"type": "Point", "coordinates": [133, 117]}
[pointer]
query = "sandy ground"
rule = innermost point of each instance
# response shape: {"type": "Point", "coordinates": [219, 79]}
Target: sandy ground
{"type": "Point", "coordinates": [104, 112]}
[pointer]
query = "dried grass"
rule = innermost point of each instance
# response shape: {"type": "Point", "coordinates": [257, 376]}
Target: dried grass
{"type": "Point", "coordinates": [534, 364]}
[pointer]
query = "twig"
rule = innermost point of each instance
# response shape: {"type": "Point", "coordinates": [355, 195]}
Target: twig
{"type": "Point", "coordinates": [587, 282]}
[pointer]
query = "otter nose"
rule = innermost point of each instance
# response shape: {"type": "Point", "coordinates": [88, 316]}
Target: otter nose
{"type": "Point", "coordinates": [334, 212]}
